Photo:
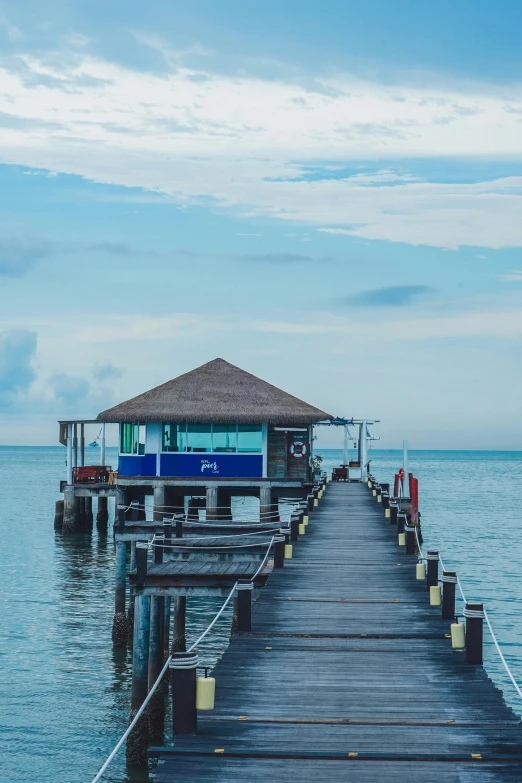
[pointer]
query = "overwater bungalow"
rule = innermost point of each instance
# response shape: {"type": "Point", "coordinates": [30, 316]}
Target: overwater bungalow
{"type": "Point", "coordinates": [215, 432]}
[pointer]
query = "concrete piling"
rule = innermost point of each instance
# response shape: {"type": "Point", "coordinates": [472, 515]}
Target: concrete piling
{"type": "Point", "coordinates": [70, 511]}
{"type": "Point", "coordinates": [120, 626]}
{"type": "Point", "coordinates": [138, 741]}
{"type": "Point", "coordinates": [58, 515]}
{"type": "Point", "coordinates": [102, 517]}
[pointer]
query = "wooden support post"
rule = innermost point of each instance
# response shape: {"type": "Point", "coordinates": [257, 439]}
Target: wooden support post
{"type": "Point", "coordinates": [244, 605]}
{"type": "Point", "coordinates": [410, 539]}
{"type": "Point", "coordinates": [159, 503]}
{"type": "Point", "coordinates": [134, 510]}
{"type": "Point", "coordinates": [433, 570]}
{"type": "Point", "coordinates": [70, 511]}
{"type": "Point", "coordinates": [58, 514]}
{"type": "Point", "coordinates": [294, 526]}
{"type": "Point", "coordinates": [120, 626]}
{"type": "Point", "coordinates": [394, 513]}
{"type": "Point", "coordinates": [179, 643]}
{"type": "Point", "coordinates": [179, 526]}
{"type": "Point", "coordinates": [183, 681]}
{"type": "Point", "coordinates": [212, 502]}
{"type": "Point", "coordinates": [401, 522]}
{"type": "Point", "coordinates": [449, 584]}
{"type": "Point", "coordinates": [474, 614]}
{"type": "Point", "coordinates": [138, 741]}
{"type": "Point", "coordinates": [279, 551]}
{"type": "Point", "coordinates": [141, 562]}
{"type": "Point", "coordinates": [102, 517]}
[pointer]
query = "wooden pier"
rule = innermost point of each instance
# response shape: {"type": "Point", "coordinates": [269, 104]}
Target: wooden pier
{"type": "Point", "coordinates": [348, 674]}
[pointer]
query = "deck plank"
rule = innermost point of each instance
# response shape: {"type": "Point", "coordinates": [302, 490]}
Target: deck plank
{"type": "Point", "coordinates": [346, 657]}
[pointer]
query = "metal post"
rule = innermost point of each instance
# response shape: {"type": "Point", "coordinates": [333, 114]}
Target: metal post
{"type": "Point", "coordinates": [345, 445]}
{"type": "Point", "coordinates": [244, 605]}
{"type": "Point", "coordinates": [69, 453]}
{"type": "Point", "coordinates": [405, 491]}
{"type": "Point", "coordinates": [138, 741]}
{"type": "Point", "coordinates": [363, 450]}
{"type": "Point", "coordinates": [474, 614]}
{"type": "Point", "coordinates": [75, 445]}
{"type": "Point", "coordinates": [82, 445]}
{"type": "Point", "coordinates": [102, 445]}
{"type": "Point", "coordinates": [183, 679]}
{"type": "Point", "coordinates": [449, 584]}
{"type": "Point", "coordinates": [433, 570]}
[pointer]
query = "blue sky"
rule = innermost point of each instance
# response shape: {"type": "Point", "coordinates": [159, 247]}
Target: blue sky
{"type": "Point", "coordinates": [326, 194]}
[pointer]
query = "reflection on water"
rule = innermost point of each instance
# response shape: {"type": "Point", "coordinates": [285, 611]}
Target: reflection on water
{"type": "Point", "coordinates": [65, 694]}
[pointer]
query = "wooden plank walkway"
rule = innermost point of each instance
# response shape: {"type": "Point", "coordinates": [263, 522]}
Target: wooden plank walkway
{"type": "Point", "coordinates": [348, 674]}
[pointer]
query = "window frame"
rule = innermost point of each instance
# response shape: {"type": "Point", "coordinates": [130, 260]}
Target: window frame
{"type": "Point", "coordinates": [187, 448]}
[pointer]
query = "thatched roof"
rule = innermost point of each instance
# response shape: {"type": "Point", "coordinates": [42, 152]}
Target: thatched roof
{"type": "Point", "coordinates": [216, 392]}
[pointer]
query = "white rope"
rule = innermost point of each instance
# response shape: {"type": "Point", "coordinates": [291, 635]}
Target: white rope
{"type": "Point", "coordinates": [214, 621]}
{"type": "Point", "coordinates": [264, 560]}
{"type": "Point", "coordinates": [133, 722]}
{"type": "Point", "coordinates": [493, 636]}
{"type": "Point", "coordinates": [166, 666]}
{"type": "Point", "coordinates": [506, 667]}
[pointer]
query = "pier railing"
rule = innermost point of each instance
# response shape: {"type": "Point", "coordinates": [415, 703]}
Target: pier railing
{"type": "Point", "coordinates": [473, 613]}
{"type": "Point", "coordinates": [169, 661]}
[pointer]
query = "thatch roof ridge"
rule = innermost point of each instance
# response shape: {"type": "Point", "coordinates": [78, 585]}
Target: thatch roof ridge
{"type": "Point", "coordinates": [218, 391]}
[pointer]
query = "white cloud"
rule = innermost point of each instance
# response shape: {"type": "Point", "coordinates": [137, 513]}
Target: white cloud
{"type": "Point", "coordinates": [515, 275]}
{"type": "Point", "coordinates": [483, 323]}
{"type": "Point", "coordinates": [183, 134]}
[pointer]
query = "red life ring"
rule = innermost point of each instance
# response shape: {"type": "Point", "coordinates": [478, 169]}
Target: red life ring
{"type": "Point", "coordinates": [401, 473]}
{"type": "Point", "coordinates": [298, 444]}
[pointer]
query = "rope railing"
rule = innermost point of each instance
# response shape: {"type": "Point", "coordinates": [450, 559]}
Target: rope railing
{"type": "Point", "coordinates": [486, 617]}
{"type": "Point", "coordinates": [155, 686]}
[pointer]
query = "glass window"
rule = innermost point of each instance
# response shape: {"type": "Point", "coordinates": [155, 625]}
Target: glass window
{"type": "Point", "coordinates": [132, 438]}
{"type": "Point", "coordinates": [174, 437]}
{"type": "Point", "coordinates": [224, 438]}
{"type": "Point", "coordinates": [126, 438]}
{"type": "Point", "coordinates": [249, 437]}
{"type": "Point", "coordinates": [199, 437]}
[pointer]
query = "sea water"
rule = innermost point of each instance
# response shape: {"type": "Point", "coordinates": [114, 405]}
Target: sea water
{"type": "Point", "coordinates": [64, 693]}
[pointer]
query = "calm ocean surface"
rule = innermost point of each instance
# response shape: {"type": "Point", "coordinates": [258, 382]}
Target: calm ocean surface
{"type": "Point", "coordinates": [64, 695]}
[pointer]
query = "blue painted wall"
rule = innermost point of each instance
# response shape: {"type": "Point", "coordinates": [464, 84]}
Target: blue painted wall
{"type": "Point", "coordinates": [212, 465]}
{"type": "Point", "coordinates": [130, 465]}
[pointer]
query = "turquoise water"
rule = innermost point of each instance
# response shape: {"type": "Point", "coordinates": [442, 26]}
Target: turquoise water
{"type": "Point", "coordinates": [64, 695]}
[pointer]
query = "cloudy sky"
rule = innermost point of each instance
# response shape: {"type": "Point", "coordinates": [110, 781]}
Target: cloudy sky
{"type": "Point", "coordinates": [328, 194]}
